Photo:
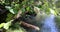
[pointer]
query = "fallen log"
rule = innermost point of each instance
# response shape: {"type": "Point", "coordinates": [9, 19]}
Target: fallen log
{"type": "Point", "coordinates": [30, 26]}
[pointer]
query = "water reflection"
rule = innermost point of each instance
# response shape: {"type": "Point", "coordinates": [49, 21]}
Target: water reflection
{"type": "Point", "coordinates": [49, 24]}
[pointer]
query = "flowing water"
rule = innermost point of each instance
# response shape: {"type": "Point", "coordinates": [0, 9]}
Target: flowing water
{"type": "Point", "coordinates": [49, 24]}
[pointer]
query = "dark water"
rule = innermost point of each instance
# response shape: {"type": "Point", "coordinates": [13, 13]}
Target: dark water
{"type": "Point", "coordinates": [49, 24]}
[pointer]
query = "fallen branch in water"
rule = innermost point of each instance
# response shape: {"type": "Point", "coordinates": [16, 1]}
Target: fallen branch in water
{"type": "Point", "coordinates": [30, 26]}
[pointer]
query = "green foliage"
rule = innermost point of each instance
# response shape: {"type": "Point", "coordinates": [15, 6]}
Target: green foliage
{"type": "Point", "coordinates": [1, 25]}
{"type": "Point", "coordinates": [28, 5]}
{"type": "Point", "coordinates": [16, 30]}
{"type": "Point", "coordinates": [57, 20]}
{"type": "Point", "coordinates": [13, 11]}
{"type": "Point", "coordinates": [9, 17]}
{"type": "Point", "coordinates": [13, 6]}
{"type": "Point", "coordinates": [7, 25]}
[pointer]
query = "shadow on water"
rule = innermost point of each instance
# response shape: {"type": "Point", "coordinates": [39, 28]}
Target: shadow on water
{"type": "Point", "coordinates": [49, 24]}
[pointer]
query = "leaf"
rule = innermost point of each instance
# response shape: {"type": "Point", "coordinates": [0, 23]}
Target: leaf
{"type": "Point", "coordinates": [28, 8]}
{"type": "Point", "coordinates": [8, 7]}
{"type": "Point", "coordinates": [53, 11]}
{"type": "Point", "coordinates": [13, 11]}
{"type": "Point", "coordinates": [1, 25]}
{"type": "Point", "coordinates": [7, 25]}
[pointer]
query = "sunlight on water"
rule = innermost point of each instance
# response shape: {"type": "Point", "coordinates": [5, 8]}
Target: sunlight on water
{"type": "Point", "coordinates": [49, 24]}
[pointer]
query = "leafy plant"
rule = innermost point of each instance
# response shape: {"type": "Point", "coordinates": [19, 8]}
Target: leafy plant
{"type": "Point", "coordinates": [26, 6]}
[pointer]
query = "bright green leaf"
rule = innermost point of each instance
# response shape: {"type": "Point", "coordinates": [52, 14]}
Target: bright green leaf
{"type": "Point", "coordinates": [12, 11]}
{"type": "Point", "coordinates": [53, 11]}
{"type": "Point", "coordinates": [7, 25]}
{"type": "Point", "coordinates": [8, 7]}
{"type": "Point", "coordinates": [28, 8]}
{"type": "Point", "coordinates": [1, 25]}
